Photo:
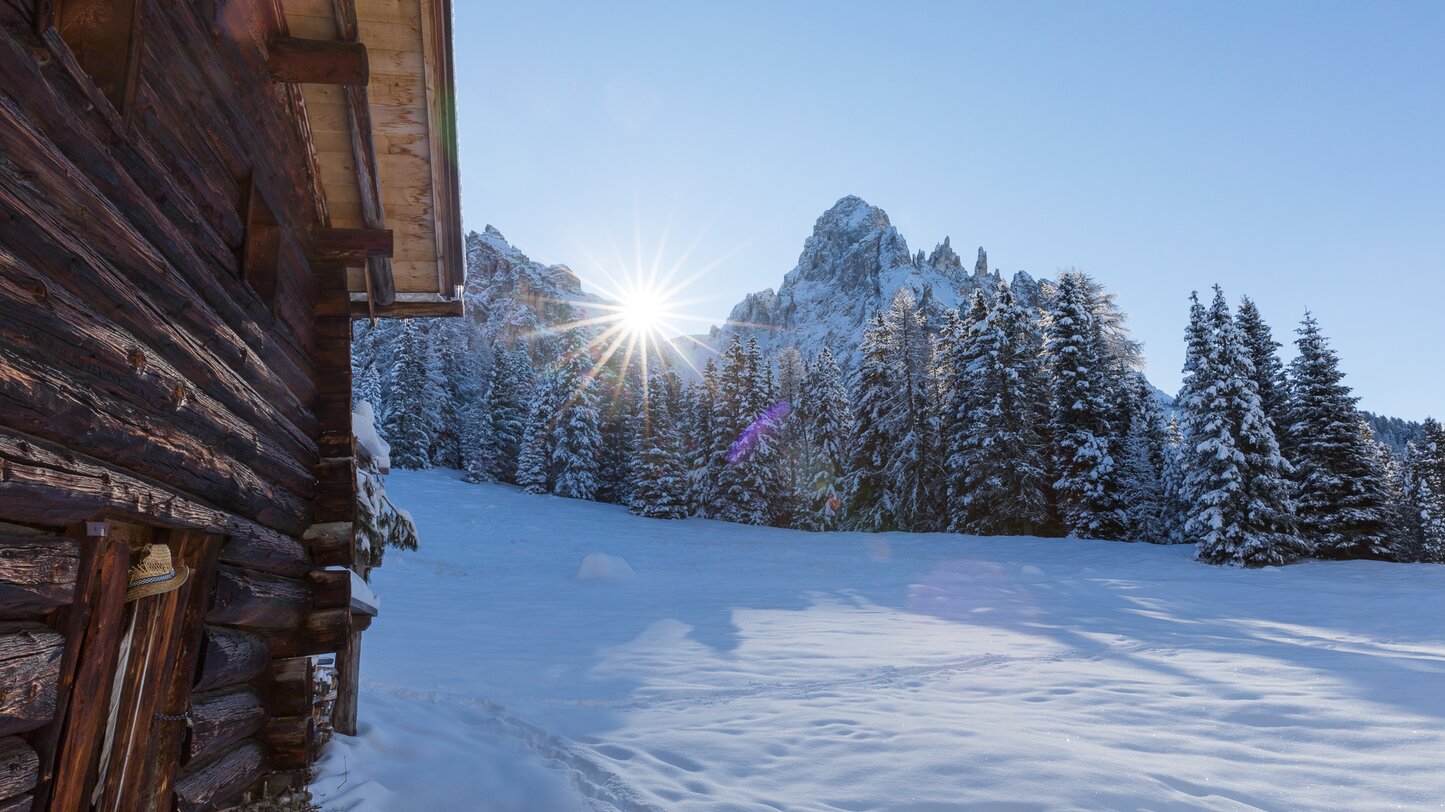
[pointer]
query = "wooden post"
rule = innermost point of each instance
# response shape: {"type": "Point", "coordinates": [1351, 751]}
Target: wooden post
{"type": "Point", "coordinates": [97, 650]}
{"type": "Point", "coordinates": [348, 670]}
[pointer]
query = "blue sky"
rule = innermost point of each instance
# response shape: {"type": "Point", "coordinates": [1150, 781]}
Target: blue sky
{"type": "Point", "coordinates": [1291, 151]}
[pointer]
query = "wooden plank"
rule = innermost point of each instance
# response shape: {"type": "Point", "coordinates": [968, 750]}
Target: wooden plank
{"type": "Point", "coordinates": [318, 62]}
{"type": "Point", "coordinates": [168, 736]}
{"type": "Point", "coordinates": [156, 623]}
{"type": "Point", "coordinates": [90, 694]}
{"type": "Point", "coordinates": [71, 622]}
{"type": "Point", "coordinates": [37, 572]}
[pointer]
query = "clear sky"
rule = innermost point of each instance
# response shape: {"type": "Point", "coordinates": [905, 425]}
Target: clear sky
{"type": "Point", "coordinates": [1291, 151]}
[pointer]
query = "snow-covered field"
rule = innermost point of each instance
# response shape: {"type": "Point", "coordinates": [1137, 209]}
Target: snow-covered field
{"type": "Point", "coordinates": [721, 667]}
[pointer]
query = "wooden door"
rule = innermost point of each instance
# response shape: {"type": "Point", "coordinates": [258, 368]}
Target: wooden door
{"type": "Point", "coordinates": [125, 719]}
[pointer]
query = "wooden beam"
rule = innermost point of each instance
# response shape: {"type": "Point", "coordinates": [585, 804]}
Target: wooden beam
{"type": "Point", "coordinates": [409, 310]}
{"type": "Point", "coordinates": [317, 62]}
{"type": "Point", "coordinates": [382, 287]}
{"type": "Point", "coordinates": [354, 244]}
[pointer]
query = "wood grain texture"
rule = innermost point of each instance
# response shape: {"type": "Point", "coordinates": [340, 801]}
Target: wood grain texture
{"type": "Point", "coordinates": [37, 572]}
{"type": "Point", "coordinates": [30, 655]}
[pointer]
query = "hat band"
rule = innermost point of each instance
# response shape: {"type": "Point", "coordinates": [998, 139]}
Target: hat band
{"type": "Point", "coordinates": [154, 579]}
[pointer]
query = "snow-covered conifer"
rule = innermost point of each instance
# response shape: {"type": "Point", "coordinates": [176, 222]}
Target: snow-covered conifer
{"type": "Point", "coordinates": [869, 500]}
{"type": "Point", "coordinates": [660, 490]}
{"type": "Point", "coordinates": [1237, 483]}
{"type": "Point", "coordinates": [1342, 491]}
{"type": "Point", "coordinates": [413, 412]}
{"type": "Point", "coordinates": [823, 411]}
{"type": "Point", "coordinates": [1083, 399]}
{"type": "Point", "coordinates": [1003, 450]}
{"type": "Point", "coordinates": [577, 428]}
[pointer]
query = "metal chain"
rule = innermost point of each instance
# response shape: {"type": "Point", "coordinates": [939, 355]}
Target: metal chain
{"type": "Point", "coordinates": [184, 716]}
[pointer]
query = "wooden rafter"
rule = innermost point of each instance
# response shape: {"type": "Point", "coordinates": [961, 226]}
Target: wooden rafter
{"type": "Point", "coordinates": [382, 289]}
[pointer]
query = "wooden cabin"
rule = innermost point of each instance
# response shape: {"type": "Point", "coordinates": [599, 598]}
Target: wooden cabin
{"type": "Point", "coordinates": [197, 197]}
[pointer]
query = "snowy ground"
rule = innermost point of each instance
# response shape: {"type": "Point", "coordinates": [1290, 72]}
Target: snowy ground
{"type": "Point", "coordinates": [754, 669]}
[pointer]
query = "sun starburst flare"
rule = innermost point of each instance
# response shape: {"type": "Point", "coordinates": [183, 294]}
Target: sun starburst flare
{"type": "Point", "coordinates": [639, 311]}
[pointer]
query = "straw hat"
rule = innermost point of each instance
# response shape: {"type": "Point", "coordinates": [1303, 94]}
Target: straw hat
{"type": "Point", "coordinates": [152, 572]}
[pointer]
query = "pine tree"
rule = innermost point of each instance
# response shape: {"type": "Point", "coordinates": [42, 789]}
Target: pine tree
{"type": "Point", "coordinates": [870, 503]}
{"type": "Point", "coordinates": [824, 412]}
{"type": "Point", "coordinates": [911, 465]}
{"type": "Point", "coordinates": [702, 461]}
{"type": "Point", "coordinates": [1237, 481]}
{"type": "Point", "coordinates": [1141, 471]}
{"type": "Point", "coordinates": [1424, 483]}
{"type": "Point", "coordinates": [1175, 508]}
{"type": "Point", "coordinates": [661, 487]}
{"type": "Point", "coordinates": [1087, 484]}
{"type": "Point", "coordinates": [479, 439]}
{"type": "Point", "coordinates": [959, 363]}
{"type": "Point", "coordinates": [1343, 508]}
{"type": "Point", "coordinates": [533, 461]}
{"type": "Point", "coordinates": [456, 372]}
{"type": "Point", "coordinates": [578, 424]}
{"type": "Point", "coordinates": [1003, 450]}
{"type": "Point", "coordinates": [1268, 369]}
{"type": "Point", "coordinates": [412, 415]}
{"type": "Point", "coordinates": [513, 386]}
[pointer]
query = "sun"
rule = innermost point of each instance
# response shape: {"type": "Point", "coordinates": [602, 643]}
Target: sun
{"type": "Point", "coordinates": [642, 312]}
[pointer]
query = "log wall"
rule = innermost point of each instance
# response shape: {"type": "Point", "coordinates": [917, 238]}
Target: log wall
{"type": "Point", "coordinates": [150, 376]}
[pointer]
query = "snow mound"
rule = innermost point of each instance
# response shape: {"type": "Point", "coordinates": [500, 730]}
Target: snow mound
{"type": "Point", "coordinates": [605, 568]}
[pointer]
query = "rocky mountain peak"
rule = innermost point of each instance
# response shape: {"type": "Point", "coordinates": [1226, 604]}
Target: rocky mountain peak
{"type": "Point", "coordinates": [945, 259]}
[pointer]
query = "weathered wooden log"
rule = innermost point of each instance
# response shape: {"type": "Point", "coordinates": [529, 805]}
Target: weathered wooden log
{"type": "Point", "coordinates": [267, 552]}
{"type": "Point", "coordinates": [43, 483]}
{"type": "Point", "coordinates": [216, 782]}
{"type": "Point", "coordinates": [253, 599]}
{"type": "Point", "coordinates": [221, 719]}
{"type": "Point", "coordinates": [20, 803]}
{"type": "Point", "coordinates": [330, 589]}
{"type": "Point", "coordinates": [292, 741]}
{"type": "Point", "coordinates": [323, 631]}
{"type": "Point", "coordinates": [37, 572]}
{"type": "Point", "coordinates": [331, 544]}
{"type": "Point", "coordinates": [19, 767]}
{"type": "Point", "coordinates": [50, 102]}
{"type": "Point", "coordinates": [29, 672]}
{"type": "Point", "coordinates": [230, 657]}
{"type": "Point", "coordinates": [63, 409]}
{"type": "Point", "coordinates": [288, 687]}
{"type": "Point", "coordinates": [317, 62]}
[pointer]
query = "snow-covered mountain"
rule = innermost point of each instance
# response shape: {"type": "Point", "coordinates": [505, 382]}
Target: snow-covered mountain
{"type": "Point", "coordinates": [515, 295]}
{"type": "Point", "coordinates": [851, 266]}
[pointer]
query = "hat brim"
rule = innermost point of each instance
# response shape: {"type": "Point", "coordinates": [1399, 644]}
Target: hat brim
{"type": "Point", "coordinates": [159, 587]}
